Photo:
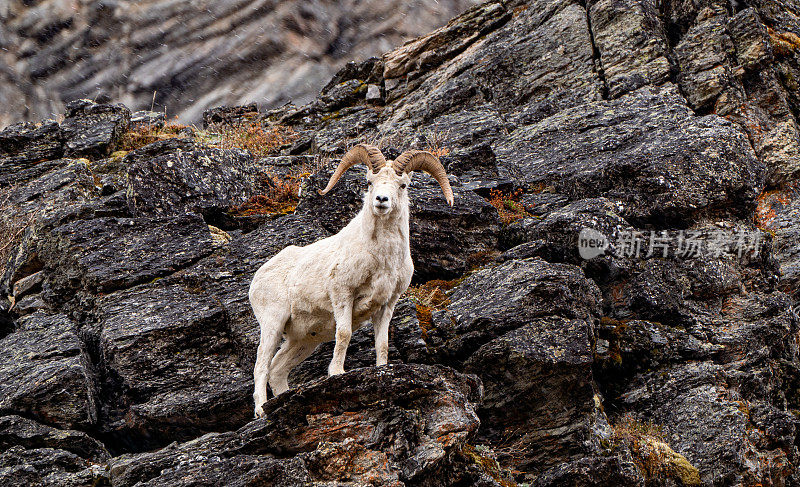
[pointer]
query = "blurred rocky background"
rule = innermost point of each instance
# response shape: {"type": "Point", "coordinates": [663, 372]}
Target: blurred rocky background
{"type": "Point", "coordinates": [184, 57]}
{"type": "Point", "coordinates": [129, 241]}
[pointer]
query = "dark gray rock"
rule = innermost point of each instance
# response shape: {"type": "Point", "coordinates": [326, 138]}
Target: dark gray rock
{"type": "Point", "coordinates": [499, 299]}
{"type": "Point", "coordinates": [175, 176]}
{"type": "Point", "coordinates": [632, 44]}
{"type": "Point", "coordinates": [133, 251]}
{"type": "Point", "coordinates": [46, 372]}
{"type": "Point", "coordinates": [555, 237]}
{"type": "Point", "coordinates": [231, 116]}
{"type": "Point", "coordinates": [92, 130]}
{"type": "Point", "coordinates": [48, 467]}
{"type": "Point", "coordinates": [19, 431]}
{"type": "Point", "coordinates": [539, 390]}
{"type": "Point", "coordinates": [168, 366]}
{"type": "Point", "coordinates": [645, 150]}
{"type": "Point", "coordinates": [399, 423]}
{"type": "Point", "coordinates": [694, 402]}
{"type": "Point", "coordinates": [26, 144]}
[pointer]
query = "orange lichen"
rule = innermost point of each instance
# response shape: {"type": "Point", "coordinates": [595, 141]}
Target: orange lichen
{"type": "Point", "coordinates": [768, 202]}
{"type": "Point", "coordinates": [784, 43]}
{"type": "Point", "coordinates": [488, 464]}
{"type": "Point", "coordinates": [508, 205]}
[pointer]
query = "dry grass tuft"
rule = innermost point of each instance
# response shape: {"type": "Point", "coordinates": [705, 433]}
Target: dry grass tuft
{"type": "Point", "coordinates": [508, 205]}
{"type": "Point", "coordinates": [147, 134]}
{"type": "Point", "coordinates": [436, 143]}
{"type": "Point", "coordinates": [280, 196]}
{"type": "Point", "coordinates": [253, 137]}
{"type": "Point", "coordinates": [429, 297]}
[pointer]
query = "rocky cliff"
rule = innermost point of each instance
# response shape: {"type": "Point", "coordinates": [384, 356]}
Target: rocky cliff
{"type": "Point", "coordinates": [183, 57]}
{"type": "Point", "coordinates": [663, 352]}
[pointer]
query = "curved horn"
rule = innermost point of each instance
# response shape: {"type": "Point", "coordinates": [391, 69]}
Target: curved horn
{"type": "Point", "coordinates": [418, 160]}
{"type": "Point", "coordinates": [362, 153]}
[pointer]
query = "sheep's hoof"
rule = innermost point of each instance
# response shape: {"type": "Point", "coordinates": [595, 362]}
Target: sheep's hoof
{"type": "Point", "coordinates": [259, 413]}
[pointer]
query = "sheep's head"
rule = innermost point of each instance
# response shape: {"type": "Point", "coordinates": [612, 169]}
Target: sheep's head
{"type": "Point", "coordinates": [388, 180]}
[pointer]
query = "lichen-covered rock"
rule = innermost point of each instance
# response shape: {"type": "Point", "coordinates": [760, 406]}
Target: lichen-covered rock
{"type": "Point", "coordinates": [49, 467]}
{"type": "Point", "coordinates": [175, 176]}
{"type": "Point", "coordinates": [631, 42]}
{"type": "Point", "coordinates": [26, 144]}
{"type": "Point", "coordinates": [18, 431]}
{"type": "Point", "coordinates": [133, 251]}
{"type": "Point", "coordinates": [555, 237]}
{"type": "Point", "coordinates": [499, 299]}
{"type": "Point", "coordinates": [645, 150]}
{"type": "Point", "coordinates": [395, 425]}
{"type": "Point", "coordinates": [539, 390]}
{"type": "Point", "coordinates": [169, 366]}
{"type": "Point", "coordinates": [46, 372]}
{"type": "Point", "coordinates": [92, 130]}
{"type": "Point", "coordinates": [779, 213]}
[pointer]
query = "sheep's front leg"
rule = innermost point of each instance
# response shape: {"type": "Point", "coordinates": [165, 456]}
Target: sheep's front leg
{"type": "Point", "coordinates": [380, 325]}
{"type": "Point", "coordinates": [343, 315]}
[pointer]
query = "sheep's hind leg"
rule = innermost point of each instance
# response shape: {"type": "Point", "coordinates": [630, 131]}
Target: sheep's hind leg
{"type": "Point", "coordinates": [272, 325]}
{"type": "Point", "coordinates": [288, 357]}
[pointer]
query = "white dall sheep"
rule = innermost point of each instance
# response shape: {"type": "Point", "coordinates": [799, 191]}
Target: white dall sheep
{"type": "Point", "coordinates": [326, 290]}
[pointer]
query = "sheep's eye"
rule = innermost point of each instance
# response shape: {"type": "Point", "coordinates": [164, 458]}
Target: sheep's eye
{"type": "Point", "coordinates": [403, 186]}
{"type": "Point", "coordinates": [369, 183]}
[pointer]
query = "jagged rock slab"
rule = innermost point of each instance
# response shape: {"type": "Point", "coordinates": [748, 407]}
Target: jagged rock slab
{"type": "Point", "coordinates": [539, 390]}
{"type": "Point", "coordinates": [779, 213]}
{"type": "Point", "coordinates": [715, 427]}
{"type": "Point", "coordinates": [175, 176]}
{"type": "Point", "coordinates": [49, 467]}
{"type": "Point", "coordinates": [46, 374]}
{"type": "Point", "coordinates": [631, 43]}
{"type": "Point", "coordinates": [168, 366]}
{"type": "Point", "coordinates": [496, 300]}
{"type": "Point", "coordinates": [132, 251]}
{"type": "Point", "coordinates": [536, 60]}
{"type": "Point", "coordinates": [645, 149]}
{"type": "Point", "coordinates": [394, 425]}
{"type": "Point", "coordinates": [19, 431]}
{"type": "Point", "coordinates": [92, 130]}
{"type": "Point", "coordinates": [26, 144]}
{"type": "Point", "coordinates": [555, 237]}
